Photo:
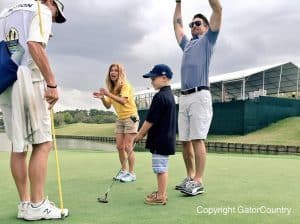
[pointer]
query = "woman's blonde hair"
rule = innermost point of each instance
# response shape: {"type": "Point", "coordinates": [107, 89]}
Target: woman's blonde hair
{"type": "Point", "coordinates": [115, 88]}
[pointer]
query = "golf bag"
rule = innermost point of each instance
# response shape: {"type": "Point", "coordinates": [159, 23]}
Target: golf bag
{"type": "Point", "coordinates": [8, 68]}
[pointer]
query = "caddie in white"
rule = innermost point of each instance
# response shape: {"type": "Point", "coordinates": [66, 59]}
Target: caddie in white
{"type": "Point", "coordinates": [26, 28]}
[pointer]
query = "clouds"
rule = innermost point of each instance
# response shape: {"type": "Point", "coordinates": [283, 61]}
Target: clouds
{"type": "Point", "coordinates": [258, 33]}
{"type": "Point", "coordinates": [83, 99]}
{"type": "Point", "coordinates": [95, 36]}
{"type": "Point", "coordinates": [96, 31]}
{"type": "Point", "coordinates": [140, 33]}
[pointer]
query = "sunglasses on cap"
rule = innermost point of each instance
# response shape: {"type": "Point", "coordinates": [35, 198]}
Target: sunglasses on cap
{"type": "Point", "coordinates": [196, 23]}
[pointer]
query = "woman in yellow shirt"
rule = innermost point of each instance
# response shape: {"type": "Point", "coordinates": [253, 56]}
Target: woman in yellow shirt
{"type": "Point", "coordinates": [119, 93]}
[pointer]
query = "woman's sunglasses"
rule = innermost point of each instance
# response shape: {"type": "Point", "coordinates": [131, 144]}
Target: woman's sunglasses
{"type": "Point", "coordinates": [196, 23]}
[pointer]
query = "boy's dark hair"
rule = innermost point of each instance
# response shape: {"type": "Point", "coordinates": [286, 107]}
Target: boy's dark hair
{"type": "Point", "coordinates": [201, 16]}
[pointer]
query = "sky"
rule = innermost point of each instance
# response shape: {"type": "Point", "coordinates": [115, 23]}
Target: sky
{"type": "Point", "coordinates": [139, 34]}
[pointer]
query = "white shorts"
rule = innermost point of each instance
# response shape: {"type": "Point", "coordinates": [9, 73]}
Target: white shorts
{"type": "Point", "coordinates": [195, 115]}
{"type": "Point", "coordinates": [43, 134]}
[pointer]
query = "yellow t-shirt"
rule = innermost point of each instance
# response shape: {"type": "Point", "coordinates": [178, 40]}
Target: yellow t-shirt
{"type": "Point", "coordinates": [127, 110]}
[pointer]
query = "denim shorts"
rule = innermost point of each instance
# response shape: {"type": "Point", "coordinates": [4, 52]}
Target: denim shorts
{"type": "Point", "coordinates": [160, 163]}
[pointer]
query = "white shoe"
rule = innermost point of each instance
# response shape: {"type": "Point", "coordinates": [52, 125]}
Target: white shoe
{"type": "Point", "coordinates": [129, 177]}
{"type": "Point", "coordinates": [22, 208]}
{"type": "Point", "coordinates": [121, 174]}
{"type": "Point", "coordinates": [47, 210]}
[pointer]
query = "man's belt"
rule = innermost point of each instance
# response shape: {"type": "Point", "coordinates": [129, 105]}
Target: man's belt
{"type": "Point", "coordinates": [193, 90]}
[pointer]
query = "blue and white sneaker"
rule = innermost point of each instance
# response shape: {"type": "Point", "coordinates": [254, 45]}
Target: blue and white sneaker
{"type": "Point", "coordinates": [193, 188]}
{"type": "Point", "coordinates": [182, 185]}
{"type": "Point", "coordinates": [120, 175]}
{"type": "Point", "coordinates": [129, 177]}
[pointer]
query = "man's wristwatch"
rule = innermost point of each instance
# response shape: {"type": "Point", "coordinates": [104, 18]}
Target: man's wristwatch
{"type": "Point", "coordinates": [178, 1]}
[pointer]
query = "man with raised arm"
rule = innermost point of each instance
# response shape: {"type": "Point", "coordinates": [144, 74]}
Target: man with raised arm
{"type": "Point", "coordinates": [195, 103]}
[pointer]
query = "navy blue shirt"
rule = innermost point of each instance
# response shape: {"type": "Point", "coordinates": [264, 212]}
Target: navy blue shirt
{"type": "Point", "coordinates": [161, 137]}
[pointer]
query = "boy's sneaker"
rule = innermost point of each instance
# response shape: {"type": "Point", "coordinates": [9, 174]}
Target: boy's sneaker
{"type": "Point", "coordinates": [22, 208]}
{"type": "Point", "coordinates": [154, 200]}
{"type": "Point", "coordinates": [129, 177]}
{"type": "Point", "coordinates": [181, 186]}
{"type": "Point", "coordinates": [120, 175]}
{"type": "Point", "coordinates": [47, 210]}
{"type": "Point", "coordinates": [193, 188]}
{"type": "Point", "coordinates": [154, 194]}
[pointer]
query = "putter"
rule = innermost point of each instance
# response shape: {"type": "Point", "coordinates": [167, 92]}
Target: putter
{"type": "Point", "coordinates": [104, 198]}
{"type": "Point", "coordinates": [61, 203]}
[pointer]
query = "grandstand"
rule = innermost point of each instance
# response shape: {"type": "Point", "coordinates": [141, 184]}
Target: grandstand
{"type": "Point", "coordinates": [246, 100]}
{"type": "Point", "coordinates": [279, 80]}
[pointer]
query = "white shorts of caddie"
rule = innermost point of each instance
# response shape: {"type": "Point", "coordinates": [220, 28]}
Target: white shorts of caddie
{"type": "Point", "coordinates": [195, 115]}
{"type": "Point", "coordinates": [43, 134]}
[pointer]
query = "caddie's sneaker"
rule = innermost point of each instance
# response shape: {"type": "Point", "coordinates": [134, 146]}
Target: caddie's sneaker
{"type": "Point", "coordinates": [22, 208]}
{"type": "Point", "coordinates": [155, 200]}
{"type": "Point", "coordinates": [120, 175]}
{"type": "Point", "coordinates": [129, 177]}
{"type": "Point", "coordinates": [193, 188]}
{"type": "Point", "coordinates": [47, 210]}
{"type": "Point", "coordinates": [183, 183]}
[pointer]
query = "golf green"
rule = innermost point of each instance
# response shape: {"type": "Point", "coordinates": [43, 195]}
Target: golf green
{"type": "Point", "coordinates": [239, 189]}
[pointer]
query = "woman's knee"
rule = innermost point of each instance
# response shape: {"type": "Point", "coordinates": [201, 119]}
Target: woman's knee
{"type": "Point", "coordinates": [128, 147]}
{"type": "Point", "coordinates": [120, 147]}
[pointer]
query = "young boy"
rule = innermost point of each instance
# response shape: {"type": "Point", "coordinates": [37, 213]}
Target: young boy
{"type": "Point", "coordinates": [160, 124]}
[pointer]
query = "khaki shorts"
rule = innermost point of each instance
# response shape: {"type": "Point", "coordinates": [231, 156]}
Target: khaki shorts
{"type": "Point", "coordinates": [127, 126]}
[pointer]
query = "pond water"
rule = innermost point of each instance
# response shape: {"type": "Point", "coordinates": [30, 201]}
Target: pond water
{"type": "Point", "coordinates": [65, 144]}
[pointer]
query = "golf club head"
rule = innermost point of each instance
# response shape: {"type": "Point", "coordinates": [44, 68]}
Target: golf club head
{"type": "Point", "coordinates": [103, 199]}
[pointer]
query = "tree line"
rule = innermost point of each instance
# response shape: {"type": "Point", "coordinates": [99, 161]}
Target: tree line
{"type": "Point", "coordinates": [92, 116]}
